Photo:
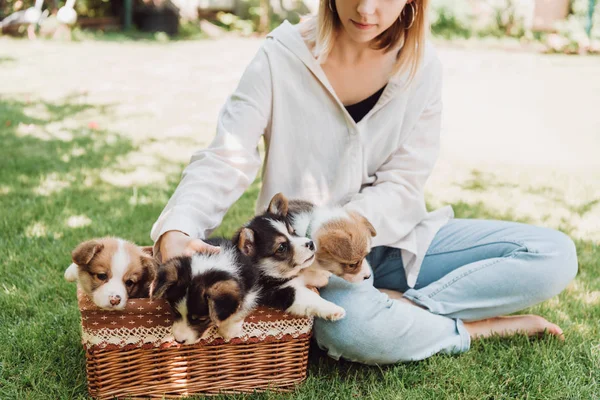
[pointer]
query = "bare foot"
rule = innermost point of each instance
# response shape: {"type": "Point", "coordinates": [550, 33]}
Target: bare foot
{"type": "Point", "coordinates": [531, 325]}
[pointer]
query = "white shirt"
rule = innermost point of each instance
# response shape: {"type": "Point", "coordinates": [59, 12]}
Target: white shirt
{"type": "Point", "coordinates": [315, 151]}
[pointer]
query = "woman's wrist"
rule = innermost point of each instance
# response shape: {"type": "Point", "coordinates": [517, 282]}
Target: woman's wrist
{"type": "Point", "coordinates": [172, 233]}
{"type": "Point", "coordinates": [167, 237]}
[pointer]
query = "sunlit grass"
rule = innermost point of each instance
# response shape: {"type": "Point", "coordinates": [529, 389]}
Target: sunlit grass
{"type": "Point", "coordinates": [63, 180]}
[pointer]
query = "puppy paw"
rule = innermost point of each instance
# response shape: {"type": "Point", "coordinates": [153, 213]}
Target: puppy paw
{"type": "Point", "coordinates": [229, 331]}
{"type": "Point", "coordinates": [332, 313]}
{"type": "Point", "coordinates": [72, 272]}
{"type": "Point", "coordinates": [321, 279]}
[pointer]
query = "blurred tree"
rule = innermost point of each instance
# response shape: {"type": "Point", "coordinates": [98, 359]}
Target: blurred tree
{"type": "Point", "coordinates": [590, 18]}
{"type": "Point", "coordinates": [263, 25]}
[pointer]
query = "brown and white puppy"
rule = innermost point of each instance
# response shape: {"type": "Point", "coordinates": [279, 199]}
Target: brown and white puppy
{"type": "Point", "coordinates": [208, 289]}
{"type": "Point", "coordinates": [111, 270]}
{"type": "Point", "coordinates": [281, 256]}
{"type": "Point", "coordinates": [342, 238]}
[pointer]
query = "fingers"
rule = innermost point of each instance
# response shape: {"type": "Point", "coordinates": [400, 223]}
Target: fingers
{"type": "Point", "coordinates": [198, 246]}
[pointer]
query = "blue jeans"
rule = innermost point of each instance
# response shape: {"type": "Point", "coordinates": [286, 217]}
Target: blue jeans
{"type": "Point", "coordinates": [473, 269]}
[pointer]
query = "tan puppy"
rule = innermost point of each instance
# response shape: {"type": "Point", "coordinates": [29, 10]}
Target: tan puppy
{"type": "Point", "coordinates": [111, 270]}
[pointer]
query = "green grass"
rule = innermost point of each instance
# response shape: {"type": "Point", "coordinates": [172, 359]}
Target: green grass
{"type": "Point", "coordinates": [45, 181]}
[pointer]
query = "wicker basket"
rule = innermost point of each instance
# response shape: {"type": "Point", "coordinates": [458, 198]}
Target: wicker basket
{"type": "Point", "coordinates": [132, 353]}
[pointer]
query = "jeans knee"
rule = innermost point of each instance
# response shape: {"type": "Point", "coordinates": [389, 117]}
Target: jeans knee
{"type": "Point", "coordinates": [354, 337]}
{"type": "Point", "coordinates": [378, 330]}
{"type": "Point", "coordinates": [356, 341]}
{"type": "Point", "coordinates": [565, 262]}
{"type": "Point", "coordinates": [560, 264]}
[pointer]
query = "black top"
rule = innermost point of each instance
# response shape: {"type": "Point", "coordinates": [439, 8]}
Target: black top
{"type": "Point", "coordinates": [358, 110]}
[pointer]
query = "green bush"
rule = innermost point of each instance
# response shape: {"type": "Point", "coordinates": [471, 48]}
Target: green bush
{"type": "Point", "coordinates": [451, 19]}
{"type": "Point", "coordinates": [572, 34]}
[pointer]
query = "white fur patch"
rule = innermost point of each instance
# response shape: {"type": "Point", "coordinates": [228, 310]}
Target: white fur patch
{"type": "Point", "coordinates": [72, 273]}
{"type": "Point", "coordinates": [250, 301]}
{"type": "Point", "coordinates": [222, 261]}
{"type": "Point", "coordinates": [181, 329]}
{"type": "Point", "coordinates": [310, 304]}
{"type": "Point", "coordinates": [115, 286]}
{"type": "Point", "coordinates": [120, 262]}
{"type": "Point", "coordinates": [281, 228]}
{"type": "Point", "coordinates": [270, 267]}
{"type": "Point", "coordinates": [316, 218]}
{"type": "Point", "coordinates": [300, 222]}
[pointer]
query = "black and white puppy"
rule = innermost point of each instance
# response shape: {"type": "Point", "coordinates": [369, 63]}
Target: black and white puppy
{"type": "Point", "coordinates": [208, 289]}
{"type": "Point", "coordinates": [280, 256]}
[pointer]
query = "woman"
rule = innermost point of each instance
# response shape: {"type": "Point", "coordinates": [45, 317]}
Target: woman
{"type": "Point", "coordinates": [349, 105]}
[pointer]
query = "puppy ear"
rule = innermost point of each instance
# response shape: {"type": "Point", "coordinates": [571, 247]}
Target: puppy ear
{"type": "Point", "coordinates": [149, 250]}
{"type": "Point", "coordinates": [224, 299]}
{"type": "Point", "coordinates": [84, 252]}
{"type": "Point", "coordinates": [337, 243]}
{"type": "Point", "coordinates": [361, 219]}
{"type": "Point", "coordinates": [244, 240]}
{"type": "Point", "coordinates": [278, 205]}
{"type": "Point", "coordinates": [166, 275]}
{"type": "Point", "coordinates": [150, 271]}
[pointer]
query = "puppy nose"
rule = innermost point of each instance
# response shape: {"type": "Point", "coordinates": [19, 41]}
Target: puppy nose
{"type": "Point", "coordinates": [115, 300]}
{"type": "Point", "coordinates": [367, 277]}
{"type": "Point", "coordinates": [180, 341]}
{"type": "Point", "coordinates": [310, 245]}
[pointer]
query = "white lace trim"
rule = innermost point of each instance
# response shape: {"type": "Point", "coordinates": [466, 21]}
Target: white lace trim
{"type": "Point", "coordinates": [159, 335]}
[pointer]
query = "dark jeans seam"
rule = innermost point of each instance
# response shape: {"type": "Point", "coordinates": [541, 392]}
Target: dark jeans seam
{"type": "Point", "coordinates": [449, 249]}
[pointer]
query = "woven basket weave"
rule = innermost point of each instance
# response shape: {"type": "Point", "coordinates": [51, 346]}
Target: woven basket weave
{"type": "Point", "coordinates": [132, 353]}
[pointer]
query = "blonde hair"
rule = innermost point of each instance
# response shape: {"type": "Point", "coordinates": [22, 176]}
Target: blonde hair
{"type": "Point", "coordinates": [320, 31]}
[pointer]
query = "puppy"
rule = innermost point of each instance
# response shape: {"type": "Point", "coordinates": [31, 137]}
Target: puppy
{"type": "Point", "coordinates": [111, 270]}
{"type": "Point", "coordinates": [208, 289]}
{"type": "Point", "coordinates": [342, 239]}
{"type": "Point", "coordinates": [280, 256]}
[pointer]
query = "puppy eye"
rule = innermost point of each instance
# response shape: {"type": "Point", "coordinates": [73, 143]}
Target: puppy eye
{"type": "Point", "coordinates": [198, 319]}
{"type": "Point", "coordinates": [129, 283]}
{"type": "Point", "coordinates": [102, 277]}
{"type": "Point", "coordinates": [282, 248]}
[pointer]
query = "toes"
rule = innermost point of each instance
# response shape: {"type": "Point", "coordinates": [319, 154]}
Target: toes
{"type": "Point", "coordinates": [546, 327]}
{"type": "Point", "coordinates": [555, 330]}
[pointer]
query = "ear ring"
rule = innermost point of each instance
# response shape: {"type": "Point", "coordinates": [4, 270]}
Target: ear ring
{"type": "Point", "coordinates": [413, 9]}
{"type": "Point", "coordinates": [331, 6]}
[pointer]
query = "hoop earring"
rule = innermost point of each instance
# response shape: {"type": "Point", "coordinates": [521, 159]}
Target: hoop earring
{"type": "Point", "coordinates": [413, 12]}
{"type": "Point", "coordinates": [331, 7]}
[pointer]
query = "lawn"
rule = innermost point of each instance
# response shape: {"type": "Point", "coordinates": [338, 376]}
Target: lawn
{"type": "Point", "coordinates": [58, 187]}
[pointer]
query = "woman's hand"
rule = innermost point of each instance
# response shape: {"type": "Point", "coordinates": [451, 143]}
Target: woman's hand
{"type": "Point", "coordinates": [176, 243]}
